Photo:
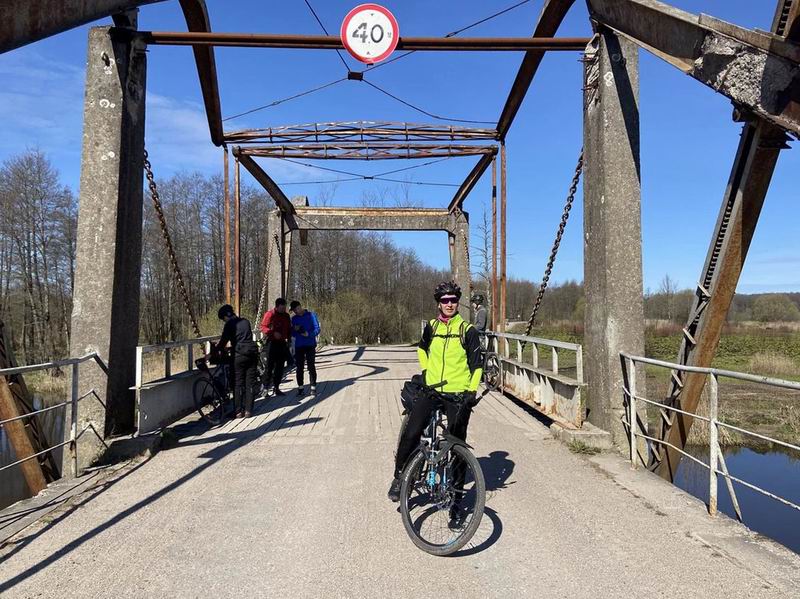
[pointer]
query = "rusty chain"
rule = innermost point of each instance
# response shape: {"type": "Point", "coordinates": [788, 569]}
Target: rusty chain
{"type": "Point", "coordinates": [466, 258]}
{"type": "Point", "coordinates": [265, 281]}
{"type": "Point", "coordinates": [573, 188]}
{"type": "Point", "coordinates": [176, 269]}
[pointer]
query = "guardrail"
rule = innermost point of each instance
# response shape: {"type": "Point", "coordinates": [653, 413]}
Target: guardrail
{"type": "Point", "coordinates": [142, 350]}
{"type": "Point", "coordinates": [550, 390]}
{"type": "Point", "coordinates": [716, 460]}
{"type": "Point", "coordinates": [161, 401]}
{"type": "Point", "coordinates": [75, 398]}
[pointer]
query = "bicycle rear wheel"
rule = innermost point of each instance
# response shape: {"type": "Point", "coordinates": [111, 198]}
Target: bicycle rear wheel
{"type": "Point", "coordinates": [492, 372]}
{"type": "Point", "coordinates": [208, 401]}
{"type": "Point", "coordinates": [440, 513]}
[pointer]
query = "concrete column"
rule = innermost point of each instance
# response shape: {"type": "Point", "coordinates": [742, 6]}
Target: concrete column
{"type": "Point", "coordinates": [612, 227]}
{"type": "Point", "coordinates": [275, 262]}
{"type": "Point", "coordinates": [105, 315]}
{"type": "Point", "coordinates": [458, 238]}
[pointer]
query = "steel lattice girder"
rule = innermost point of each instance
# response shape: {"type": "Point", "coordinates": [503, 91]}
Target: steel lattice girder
{"type": "Point", "coordinates": [757, 71]}
{"type": "Point", "coordinates": [362, 131]}
{"type": "Point", "coordinates": [367, 151]}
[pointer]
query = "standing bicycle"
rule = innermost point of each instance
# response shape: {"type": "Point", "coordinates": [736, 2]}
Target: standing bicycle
{"type": "Point", "coordinates": [450, 357]}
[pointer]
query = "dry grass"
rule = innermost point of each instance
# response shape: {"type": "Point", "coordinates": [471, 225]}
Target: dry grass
{"type": "Point", "coordinates": [767, 363]}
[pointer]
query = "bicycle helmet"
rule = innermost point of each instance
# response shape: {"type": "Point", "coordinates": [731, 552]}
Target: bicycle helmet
{"type": "Point", "coordinates": [446, 288]}
{"type": "Point", "coordinates": [477, 298]}
{"type": "Point", "coordinates": [226, 310]}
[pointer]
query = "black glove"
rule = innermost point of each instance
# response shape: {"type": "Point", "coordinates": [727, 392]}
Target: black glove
{"type": "Point", "coordinates": [470, 398]}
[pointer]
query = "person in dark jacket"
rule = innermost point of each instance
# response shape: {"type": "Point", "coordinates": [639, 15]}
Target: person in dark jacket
{"type": "Point", "coordinates": [238, 333]}
{"type": "Point", "coordinates": [277, 329]}
{"type": "Point", "coordinates": [305, 330]}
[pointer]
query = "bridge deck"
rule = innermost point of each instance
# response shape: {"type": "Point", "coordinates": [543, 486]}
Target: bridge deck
{"type": "Point", "coordinates": [291, 503]}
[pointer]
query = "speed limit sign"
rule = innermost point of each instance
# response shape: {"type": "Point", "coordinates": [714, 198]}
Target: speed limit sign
{"type": "Point", "coordinates": [370, 33]}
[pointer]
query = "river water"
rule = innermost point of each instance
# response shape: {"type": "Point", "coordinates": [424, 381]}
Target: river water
{"type": "Point", "coordinates": [775, 471]}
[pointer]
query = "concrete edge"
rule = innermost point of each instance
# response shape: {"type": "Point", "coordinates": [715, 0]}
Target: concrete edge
{"type": "Point", "coordinates": [588, 435]}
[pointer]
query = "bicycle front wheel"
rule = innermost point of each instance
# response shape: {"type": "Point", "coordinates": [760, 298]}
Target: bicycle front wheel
{"type": "Point", "coordinates": [442, 504]}
{"type": "Point", "coordinates": [208, 401]}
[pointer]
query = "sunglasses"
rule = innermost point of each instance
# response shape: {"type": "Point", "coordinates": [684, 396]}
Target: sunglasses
{"type": "Point", "coordinates": [448, 300]}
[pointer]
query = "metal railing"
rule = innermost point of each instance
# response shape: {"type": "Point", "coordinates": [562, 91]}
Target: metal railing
{"type": "Point", "coordinates": [716, 460]}
{"type": "Point", "coordinates": [75, 398]}
{"type": "Point", "coordinates": [525, 374]}
{"type": "Point", "coordinates": [189, 344]}
{"type": "Point", "coordinates": [521, 341]}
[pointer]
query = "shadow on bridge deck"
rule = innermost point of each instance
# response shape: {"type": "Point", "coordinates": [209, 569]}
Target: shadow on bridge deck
{"type": "Point", "coordinates": [291, 502]}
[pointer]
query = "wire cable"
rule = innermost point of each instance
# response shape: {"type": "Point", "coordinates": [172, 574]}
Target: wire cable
{"type": "Point", "coordinates": [281, 101]}
{"type": "Point", "coordinates": [451, 34]}
{"type": "Point", "coordinates": [425, 112]}
{"type": "Point", "coordinates": [314, 12]}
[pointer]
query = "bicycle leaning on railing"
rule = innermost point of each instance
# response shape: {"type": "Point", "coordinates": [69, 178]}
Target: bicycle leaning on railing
{"type": "Point", "coordinates": [213, 395]}
{"type": "Point", "coordinates": [442, 491]}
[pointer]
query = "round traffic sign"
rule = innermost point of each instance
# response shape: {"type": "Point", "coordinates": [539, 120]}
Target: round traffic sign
{"type": "Point", "coordinates": [370, 33]}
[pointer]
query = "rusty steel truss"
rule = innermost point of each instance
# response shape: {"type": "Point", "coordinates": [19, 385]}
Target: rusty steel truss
{"type": "Point", "coordinates": [367, 151]}
{"type": "Point", "coordinates": [359, 131]}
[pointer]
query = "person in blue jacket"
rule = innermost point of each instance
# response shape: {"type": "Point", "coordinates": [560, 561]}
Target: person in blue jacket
{"type": "Point", "coordinates": [305, 329]}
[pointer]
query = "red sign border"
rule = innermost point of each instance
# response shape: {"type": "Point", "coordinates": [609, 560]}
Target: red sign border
{"type": "Point", "coordinates": [384, 11]}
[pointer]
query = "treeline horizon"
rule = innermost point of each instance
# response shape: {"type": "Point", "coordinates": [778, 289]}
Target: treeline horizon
{"type": "Point", "coordinates": [360, 284]}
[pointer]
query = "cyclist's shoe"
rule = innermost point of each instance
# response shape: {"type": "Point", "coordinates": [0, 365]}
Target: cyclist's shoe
{"type": "Point", "coordinates": [240, 414]}
{"type": "Point", "coordinates": [277, 392]}
{"type": "Point", "coordinates": [247, 415]}
{"type": "Point", "coordinates": [457, 518]}
{"type": "Point", "coordinates": [301, 391]}
{"type": "Point", "coordinates": [313, 389]}
{"type": "Point", "coordinates": [394, 490]}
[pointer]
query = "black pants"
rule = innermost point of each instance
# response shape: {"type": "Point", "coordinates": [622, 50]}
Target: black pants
{"type": "Point", "coordinates": [303, 356]}
{"type": "Point", "coordinates": [276, 351]}
{"type": "Point", "coordinates": [245, 373]}
{"type": "Point", "coordinates": [457, 422]}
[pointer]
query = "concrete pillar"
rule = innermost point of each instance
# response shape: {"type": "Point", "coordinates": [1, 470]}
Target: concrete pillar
{"type": "Point", "coordinates": [105, 315]}
{"type": "Point", "coordinates": [458, 241]}
{"type": "Point", "coordinates": [275, 262]}
{"type": "Point", "coordinates": [612, 227]}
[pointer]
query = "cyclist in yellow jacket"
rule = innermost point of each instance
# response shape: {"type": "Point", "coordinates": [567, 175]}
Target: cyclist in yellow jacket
{"type": "Point", "coordinates": [450, 351]}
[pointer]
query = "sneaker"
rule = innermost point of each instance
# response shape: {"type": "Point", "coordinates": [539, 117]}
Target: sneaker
{"type": "Point", "coordinates": [457, 517]}
{"type": "Point", "coordinates": [300, 391]}
{"type": "Point", "coordinates": [313, 389]}
{"type": "Point", "coordinates": [239, 414]}
{"type": "Point", "coordinates": [394, 490]}
{"type": "Point", "coordinates": [247, 415]}
{"type": "Point", "coordinates": [277, 392]}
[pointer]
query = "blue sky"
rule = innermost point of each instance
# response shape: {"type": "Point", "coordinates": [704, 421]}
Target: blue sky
{"type": "Point", "coordinates": [688, 137]}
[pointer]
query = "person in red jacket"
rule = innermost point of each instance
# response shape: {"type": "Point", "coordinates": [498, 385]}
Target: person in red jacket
{"type": "Point", "coordinates": [277, 328]}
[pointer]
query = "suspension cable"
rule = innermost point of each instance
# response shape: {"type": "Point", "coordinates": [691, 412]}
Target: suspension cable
{"type": "Point", "coordinates": [176, 269]}
{"type": "Point", "coordinates": [425, 112]}
{"type": "Point", "coordinates": [314, 12]}
{"type": "Point", "coordinates": [282, 100]}
{"type": "Point", "coordinates": [573, 188]}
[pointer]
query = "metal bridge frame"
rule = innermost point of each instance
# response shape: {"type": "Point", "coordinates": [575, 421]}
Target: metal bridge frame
{"type": "Point", "coordinates": [758, 71]}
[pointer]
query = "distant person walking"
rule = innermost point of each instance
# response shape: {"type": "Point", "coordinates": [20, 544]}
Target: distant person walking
{"type": "Point", "coordinates": [277, 329]}
{"type": "Point", "coordinates": [305, 330]}
{"type": "Point", "coordinates": [238, 333]}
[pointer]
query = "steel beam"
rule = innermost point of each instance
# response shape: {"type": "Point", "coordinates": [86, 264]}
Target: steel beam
{"type": "Point", "coordinates": [553, 12]}
{"type": "Point", "coordinates": [334, 42]}
{"type": "Point", "coordinates": [369, 131]}
{"type": "Point", "coordinates": [25, 21]}
{"type": "Point", "coordinates": [757, 71]}
{"type": "Point", "coordinates": [366, 151]}
{"type": "Point", "coordinates": [374, 219]}
{"type": "Point", "coordinates": [472, 179]}
{"type": "Point", "coordinates": [196, 15]}
{"type": "Point", "coordinates": [756, 157]}
{"type": "Point", "coordinates": [266, 182]}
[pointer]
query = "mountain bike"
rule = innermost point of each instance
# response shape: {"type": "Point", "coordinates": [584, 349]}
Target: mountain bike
{"type": "Point", "coordinates": [442, 490]}
{"type": "Point", "coordinates": [213, 396]}
{"type": "Point", "coordinates": [492, 371]}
